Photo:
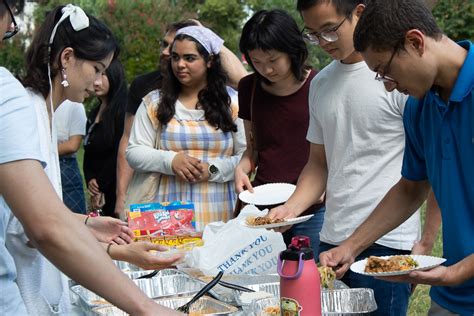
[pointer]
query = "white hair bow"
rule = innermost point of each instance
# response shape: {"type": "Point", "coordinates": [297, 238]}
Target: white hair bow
{"type": "Point", "coordinates": [77, 16]}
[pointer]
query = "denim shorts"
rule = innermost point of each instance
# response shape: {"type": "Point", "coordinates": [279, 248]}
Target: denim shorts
{"type": "Point", "coordinates": [392, 298]}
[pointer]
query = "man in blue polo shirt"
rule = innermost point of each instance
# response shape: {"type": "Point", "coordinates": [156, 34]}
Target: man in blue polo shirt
{"type": "Point", "coordinates": [400, 41]}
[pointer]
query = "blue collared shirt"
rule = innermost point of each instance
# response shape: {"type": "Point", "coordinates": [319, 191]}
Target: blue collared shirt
{"type": "Point", "coordinates": [440, 148]}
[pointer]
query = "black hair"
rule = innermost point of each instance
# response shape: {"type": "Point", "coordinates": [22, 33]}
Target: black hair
{"type": "Point", "coordinates": [116, 100]}
{"type": "Point", "coordinates": [93, 43]}
{"type": "Point", "coordinates": [343, 7]}
{"type": "Point", "coordinates": [17, 4]}
{"type": "Point", "coordinates": [174, 27]}
{"type": "Point", "coordinates": [213, 99]}
{"type": "Point", "coordinates": [384, 23]}
{"type": "Point", "coordinates": [275, 30]}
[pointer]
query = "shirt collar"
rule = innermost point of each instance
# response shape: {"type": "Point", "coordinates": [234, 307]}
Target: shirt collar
{"type": "Point", "coordinates": [465, 80]}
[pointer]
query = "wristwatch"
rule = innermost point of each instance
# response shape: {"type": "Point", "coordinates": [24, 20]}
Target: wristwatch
{"type": "Point", "coordinates": [213, 169]}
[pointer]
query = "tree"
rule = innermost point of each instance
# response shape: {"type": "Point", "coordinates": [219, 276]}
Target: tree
{"type": "Point", "coordinates": [456, 18]}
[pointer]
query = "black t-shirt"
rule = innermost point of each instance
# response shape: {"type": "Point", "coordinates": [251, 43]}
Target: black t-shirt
{"type": "Point", "coordinates": [140, 87]}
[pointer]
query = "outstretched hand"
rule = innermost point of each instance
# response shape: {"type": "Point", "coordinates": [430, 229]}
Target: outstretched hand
{"type": "Point", "coordinates": [439, 276]}
{"type": "Point", "coordinates": [108, 229]}
{"type": "Point", "coordinates": [281, 212]}
{"type": "Point", "coordinates": [138, 253]}
{"type": "Point", "coordinates": [242, 181]}
{"type": "Point", "coordinates": [339, 258]}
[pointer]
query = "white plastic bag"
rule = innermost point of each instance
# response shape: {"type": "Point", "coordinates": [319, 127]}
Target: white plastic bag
{"type": "Point", "coordinates": [236, 249]}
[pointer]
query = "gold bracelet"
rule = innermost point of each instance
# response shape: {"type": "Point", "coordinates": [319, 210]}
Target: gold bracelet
{"type": "Point", "coordinates": [108, 248]}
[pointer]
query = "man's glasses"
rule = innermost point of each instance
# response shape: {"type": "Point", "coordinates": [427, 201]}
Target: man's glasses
{"type": "Point", "coordinates": [13, 30]}
{"type": "Point", "coordinates": [328, 36]}
{"type": "Point", "coordinates": [383, 78]}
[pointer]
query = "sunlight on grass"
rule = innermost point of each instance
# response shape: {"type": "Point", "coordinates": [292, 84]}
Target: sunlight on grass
{"type": "Point", "coordinates": [420, 300]}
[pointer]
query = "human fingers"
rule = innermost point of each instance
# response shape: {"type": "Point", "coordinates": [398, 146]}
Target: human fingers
{"type": "Point", "coordinates": [341, 270]}
{"type": "Point", "coordinates": [194, 172]}
{"type": "Point", "coordinates": [119, 241]}
{"type": "Point", "coordinates": [128, 232]}
{"type": "Point", "coordinates": [281, 211]}
{"type": "Point", "coordinates": [126, 237]}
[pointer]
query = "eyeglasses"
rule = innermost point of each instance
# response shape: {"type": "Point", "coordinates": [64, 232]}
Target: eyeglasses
{"type": "Point", "coordinates": [15, 29]}
{"type": "Point", "coordinates": [383, 78]}
{"type": "Point", "coordinates": [328, 36]}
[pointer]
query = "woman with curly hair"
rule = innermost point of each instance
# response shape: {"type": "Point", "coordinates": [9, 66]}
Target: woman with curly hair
{"type": "Point", "coordinates": [200, 138]}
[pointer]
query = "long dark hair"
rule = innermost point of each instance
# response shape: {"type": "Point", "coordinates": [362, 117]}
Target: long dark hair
{"type": "Point", "coordinates": [116, 100]}
{"type": "Point", "coordinates": [275, 29]}
{"type": "Point", "coordinates": [93, 43]}
{"type": "Point", "coordinates": [213, 99]}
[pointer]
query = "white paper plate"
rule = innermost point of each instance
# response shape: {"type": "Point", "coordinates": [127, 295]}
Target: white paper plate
{"type": "Point", "coordinates": [268, 194]}
{"type": "Point", "coordinates": [291, 221]}
{"type": "Point", "coordinates": [424, 263]}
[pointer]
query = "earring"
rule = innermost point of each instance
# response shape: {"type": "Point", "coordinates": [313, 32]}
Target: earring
{"type": "Point", "coordinates": [65, 83]}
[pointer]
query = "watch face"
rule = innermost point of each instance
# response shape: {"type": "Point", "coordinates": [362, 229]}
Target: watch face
{"type": "Point", "coordinates": [213, 169]}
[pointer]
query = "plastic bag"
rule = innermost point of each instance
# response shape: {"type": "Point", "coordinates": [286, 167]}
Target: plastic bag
{"type": "Point", "coordinates": [235, 248]}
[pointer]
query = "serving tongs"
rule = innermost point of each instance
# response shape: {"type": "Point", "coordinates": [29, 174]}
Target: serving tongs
{"type": "Point", "coordinates": [185, 308]}
{"type": "Point", "coordinates": [228, 285]}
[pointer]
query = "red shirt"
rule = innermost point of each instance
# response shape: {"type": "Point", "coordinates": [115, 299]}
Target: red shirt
{"type": "Point", "coordinates": [281, 124]}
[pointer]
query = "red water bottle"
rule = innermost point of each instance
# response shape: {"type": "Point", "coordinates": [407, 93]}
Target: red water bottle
{"type": "Point", "coordinates": [300, 284]}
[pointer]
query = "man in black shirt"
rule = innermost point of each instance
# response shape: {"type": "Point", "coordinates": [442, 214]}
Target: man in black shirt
{"type": "Point", "coordinates": [142, 85]}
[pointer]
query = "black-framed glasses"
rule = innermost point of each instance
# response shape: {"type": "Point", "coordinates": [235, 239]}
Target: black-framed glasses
{"type": "Point", "coordinates": [329, 35]}
{"type": "Point", "coordinates": [384, 78]}
{"type": "Point", "coordinates": [13, 30]}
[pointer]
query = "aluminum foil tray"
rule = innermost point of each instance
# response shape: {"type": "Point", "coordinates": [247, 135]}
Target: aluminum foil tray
{"type": "Point", "coordinates": [348, 301]}
{"type": "Point", "coordinates": [274, 288]}
{"type": "Point", "coordinates": [156, 287]}
{"type": "Point", "coordinates": [254, 282]}
{"type": "Point", "coordinates": [165, 272]}
{"type": "Point", "coordinates": [126, 266]}
{"type": "Point", "coordinates": [204, 306]}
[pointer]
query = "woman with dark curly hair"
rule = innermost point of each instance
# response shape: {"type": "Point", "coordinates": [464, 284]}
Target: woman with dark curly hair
{"type": "Point", "coordinates": [104, 130]}
{"type": "Point", "coordinates": [200, 138]}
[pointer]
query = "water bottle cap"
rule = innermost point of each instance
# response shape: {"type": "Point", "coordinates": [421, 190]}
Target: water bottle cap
{"type": "Point", "coordinates": [298, 242]}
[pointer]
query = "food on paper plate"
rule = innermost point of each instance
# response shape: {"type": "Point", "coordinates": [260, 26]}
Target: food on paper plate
{"type": "Point", "coordinates": [262, 220]}
{"type": "Point", "coordinates": [328, 276]}
{"type": "Point", "coordinates": [391, 264]}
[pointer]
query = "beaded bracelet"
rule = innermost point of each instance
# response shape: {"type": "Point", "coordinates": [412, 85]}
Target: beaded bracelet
{"type": "Point", "coordinates": [87, 218]}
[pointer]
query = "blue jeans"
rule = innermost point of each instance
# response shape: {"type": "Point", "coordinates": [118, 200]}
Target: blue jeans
{"type": "Point", "coordinates": [310, 228]}
{"type": "Point", "coordinates": [392, 298]}
{"type": "Point", "coordinates": [73, 191]}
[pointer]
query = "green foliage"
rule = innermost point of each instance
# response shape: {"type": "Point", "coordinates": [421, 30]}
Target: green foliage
{"type": "Point", "coordinates": [420, 300]}
{"type": "Point", "coordinates": [317, 58]}
{"type": "Point", "coordinates": [139, 25]}
{"type": "Point", "coordinates": [12, 54]}
{"type": "Point", "coordinates": [225, 18]}
{"type": "Point", "coordinates": [456, 18]}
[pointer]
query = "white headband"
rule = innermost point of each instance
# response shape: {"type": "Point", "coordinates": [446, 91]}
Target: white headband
{"type": "Point", "coordinates": [207, 38]}
{"type": "Point", "coordinates": [77, 16]}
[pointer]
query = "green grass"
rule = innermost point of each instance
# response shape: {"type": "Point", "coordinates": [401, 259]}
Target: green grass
{"type": "Point", "coordinates": [420, 300]}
